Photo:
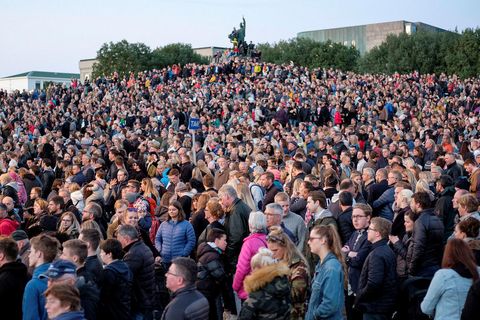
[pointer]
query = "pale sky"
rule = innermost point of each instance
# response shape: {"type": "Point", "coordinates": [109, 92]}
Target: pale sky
{"type": "Point", "coordinates": [55, 35]}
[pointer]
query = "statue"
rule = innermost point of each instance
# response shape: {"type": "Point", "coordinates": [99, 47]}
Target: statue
{"type": "Point", "coordinates": [237, 37]}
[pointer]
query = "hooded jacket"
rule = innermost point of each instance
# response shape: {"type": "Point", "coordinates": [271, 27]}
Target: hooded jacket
{"type": "Point", "coordinates": [269, 295]}
{"type": "Point", "coordinates": [7, 226]}
{"type": "Point", "coordinates": [115, 297]}
{"type": "Point", "coordinates": [211, 271]}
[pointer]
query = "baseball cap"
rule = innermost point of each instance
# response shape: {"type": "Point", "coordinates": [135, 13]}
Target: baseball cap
{"type": "Point", "coordinates": [59, 268]}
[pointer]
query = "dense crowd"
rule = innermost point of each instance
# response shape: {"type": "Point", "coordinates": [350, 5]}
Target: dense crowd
{"type": "Point", "coordinates": [305, 194]}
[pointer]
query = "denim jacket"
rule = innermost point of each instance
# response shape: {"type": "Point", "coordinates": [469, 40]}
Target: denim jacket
{"type": "Point", "coordinates": [327, 298]}
{"type": "Point", "coordinates": [446, 295]}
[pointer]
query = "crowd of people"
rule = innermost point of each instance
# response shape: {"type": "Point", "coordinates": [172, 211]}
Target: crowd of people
{"type": "Point", "coordinates": [306, 194]}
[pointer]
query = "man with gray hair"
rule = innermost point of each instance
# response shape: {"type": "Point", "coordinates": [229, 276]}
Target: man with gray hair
{"type": "Point", "coordinates": [274, 215]}
{"type": "Point", "coordinates": [139, 259]}
{"type": "Point", "coordinates": [236, 223]}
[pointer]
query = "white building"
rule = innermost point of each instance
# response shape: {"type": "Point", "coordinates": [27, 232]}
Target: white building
{"type": "Point", "coordinates": [35, 80]}
{"type": "Point", "coordinates": [86, 68]}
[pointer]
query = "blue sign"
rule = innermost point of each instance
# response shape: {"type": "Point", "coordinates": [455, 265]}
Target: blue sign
{"type": "Point", "coordinates": [194, 124]}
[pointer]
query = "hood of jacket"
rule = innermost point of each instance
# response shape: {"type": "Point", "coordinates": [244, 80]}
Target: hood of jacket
{"type": "Point", "coordinates": [262, 277]}
{"type": "Point", "coordinates": [121, 268]}
{"type": "Point", "coordinates": [205, 248]}
{"type": "Point", "coordinates": [13, 184]}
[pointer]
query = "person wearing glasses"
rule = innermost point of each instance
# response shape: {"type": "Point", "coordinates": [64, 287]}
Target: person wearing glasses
{"type": "Point", "coordinates": [356, 251]}
{"type": "Point", "coordinates": [69, 225]}
{"type": "Point", "coordinates": [284, 250]}
{"type": "Point", "coordinates": [328, 285]}
{"type": "Point", "coordinates": [377, 287]}
{"type": "Point", "coordinates": [187, 302]}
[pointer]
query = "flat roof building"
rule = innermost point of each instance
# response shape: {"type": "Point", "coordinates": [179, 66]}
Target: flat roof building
{"type": "Point", "coordinates": [35, 80]}
{"type": "Point", "coordinates": [365, 37]}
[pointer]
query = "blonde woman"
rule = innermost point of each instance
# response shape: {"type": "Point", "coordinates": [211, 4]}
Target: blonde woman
{"type": "Point", "coordinates": [422, 186]}
{"type": "Point", "coordinates": [149, 191]}
{"type": "Point", "coordinates": [69, 225]}
{"type": "Point", "coordinates": [284, 250]}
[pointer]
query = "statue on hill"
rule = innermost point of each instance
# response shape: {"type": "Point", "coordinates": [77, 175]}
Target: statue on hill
{"type": "Point", "coordinates": [237, 37]}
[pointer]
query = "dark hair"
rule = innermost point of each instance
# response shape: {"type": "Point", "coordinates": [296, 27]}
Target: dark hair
{"type": "Point", "coordinates": [331, 181]}
{"type": "Point", "coordinates": [187, 269]}
{"type": "Point", "coordinates": [345, 198]}
{"type": "Point", "coordinates": [456, 254]}
{"type": "Point", "coordinates": [268, 175]}
{"type": "Point", "coordinates": [470, 227]}
{"type": "Point", "coordinates": [422, 199]}
{"type": "Point", "coordinates": [9, 248]}
{"type": "Point", "coordinates": [47, 245]}
{"type": "Point", "coordinates": [58, 201]}
{"type": "Point", "coordinates": [297, 165]}
{"type": "Point", "coordinates": [320, 197]}
{"type": "Point", "coordinates": [78, 248]}
{"type": "Point", "coordinates": [68, 294]}
{"type": "Point", "coordinates": [181, 213]}
{"type": "Point", "coordinates": [92, 236]}
{"type": "Point", "coordinates": [346, 184]}
{"type": "Point", "coordinates": [208, 181]}
{"type": "Point", "coordinates": [114, 247]}
{"type": "Point", "coordinates": [214, 234]}
{"type": "Point", "coordinates": [445, 181]}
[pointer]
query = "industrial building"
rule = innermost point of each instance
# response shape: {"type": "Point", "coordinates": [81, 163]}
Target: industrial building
{"type": "Point", "coordinates": [365, 37]}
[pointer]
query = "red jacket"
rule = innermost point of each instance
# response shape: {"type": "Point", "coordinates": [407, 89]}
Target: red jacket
{"type": "Point", "coordinates": [7, 226]}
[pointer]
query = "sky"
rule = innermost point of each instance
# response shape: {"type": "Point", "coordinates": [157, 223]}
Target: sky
{"type": "Point", "coordinates": [54, 35]}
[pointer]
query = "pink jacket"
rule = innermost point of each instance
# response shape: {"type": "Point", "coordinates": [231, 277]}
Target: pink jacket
{"type": "Point", "coordinates": [250, 247]}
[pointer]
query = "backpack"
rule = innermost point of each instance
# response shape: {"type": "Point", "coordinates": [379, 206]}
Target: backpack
{"type": "Point", "coordinates": [259, 203]}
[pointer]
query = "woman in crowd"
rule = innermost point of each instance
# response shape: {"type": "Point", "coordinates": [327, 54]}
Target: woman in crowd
{"type": "Point", "coordinates": [175, 237]}
{"type": "Point", "coordinates": [149, 191]}
{"type": "Point", "coordinates": [214, 214]}
{"type": "Point", "coordinates": [69, 225]}
{"type": "Point", "coordinates": [449, 287]}
{"type": "Point", "coordinates": [285, 250]}
{"type": "Point", "coordinates": [257, 224]}
{"type": "Point", "coordinates": [467, 230]}
{"type": "Point", "coordinates": [403, 247]}
{"type": "Point", "coordinates": [268, 289]}
{"type": "Point", "coordinates": [63, 302]}
{"type": "Point", "coordinates": [199, 222]}
{"type": "Point", "coordinates": [327, 297]}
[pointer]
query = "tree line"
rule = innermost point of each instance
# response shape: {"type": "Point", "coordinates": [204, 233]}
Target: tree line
{"type": "Point", "coordinates": [425, 52]}
{"type": "Point", "coordinates": [124, 57]}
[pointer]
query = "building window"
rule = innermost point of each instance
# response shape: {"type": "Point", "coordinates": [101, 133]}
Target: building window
{"type": "Point", "coordinates": [37, 85]}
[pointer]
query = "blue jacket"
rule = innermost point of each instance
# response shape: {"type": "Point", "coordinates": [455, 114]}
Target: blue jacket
{"type": "Point", "coordinates": [446, 295]}
{"type": "Point", "coordinates": [382, 207]}
{"type": "Point", "coordinates": [71, 315]}
{"type": "Point", "coordinates": [175, 239]}
{"type": "Point", "coordinates": [327, 298]}
{"type": "Point", "coordinates": [355, 264]}
{"type": "Point", "coordinates": [33, 306]}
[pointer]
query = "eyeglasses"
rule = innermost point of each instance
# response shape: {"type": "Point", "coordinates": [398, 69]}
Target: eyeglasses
{"type": "Point", "coordinates": [173, 274]}
{"type": "Point", "coordinates": [371, 229]}
{"type": "Point", "coordinates": [275, 239]}
{"type": "Point", "coordinates": [358, 216]}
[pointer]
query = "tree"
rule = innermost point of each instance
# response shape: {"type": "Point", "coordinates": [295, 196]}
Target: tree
{"type": "Point", "coordinates": [175, 53]}
{"type": "Point", "coordinates": [122, 57]}
{"type": "Point", "coordinates": [309, 53]}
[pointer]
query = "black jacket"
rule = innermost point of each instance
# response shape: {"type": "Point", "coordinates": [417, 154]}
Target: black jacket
{"type": "Point", "coordinates": [403, 251]}
{"type": "Point", "coordinates": [116, 294]}
{"type": "Point", "coordinates": [471, 310]}
{"type": "Point", "coordinates": [355, 264]}
{"type": "Point", "coordinates": [236, 225]}
{"type": "Point", "coordinates": [95, 269]}
{"type": "Point", "coordinates": [377, 286]}
{"type": "Point", "coordinates": [398, 223]}
{"type": "Point", "coordinates": [30, 182]}
{"type": "Point", "coordinates": [187, 303]}
{"type": "Point", "coordinates": [13, 279]}
{"type": "Point", "coordinates": [47, 178]}
{"type": "Point", "coordinates": [427, 243]}
{"type": "Point", "coordinates": [139, 259]}
{"type": "Point", "coordinates": [376, 190]}
{"type": "Point", "coordinates": [211, 271]}
{"type": "Point", "coordinates": [444, 210]}
{"type": "Point", "coordinates": [454, 171]}
{"type": "Point", "coordinates": [269, 196]}
{"type": "Point", "coordinates": [345, 226]}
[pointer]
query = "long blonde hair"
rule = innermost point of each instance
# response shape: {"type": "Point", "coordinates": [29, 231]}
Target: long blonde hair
{"type": "Point", "coordinates": [278, 236]}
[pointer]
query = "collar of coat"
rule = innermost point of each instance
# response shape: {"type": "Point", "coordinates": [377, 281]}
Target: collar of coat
{"type": "Point", "coordinates": [263, 276]}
